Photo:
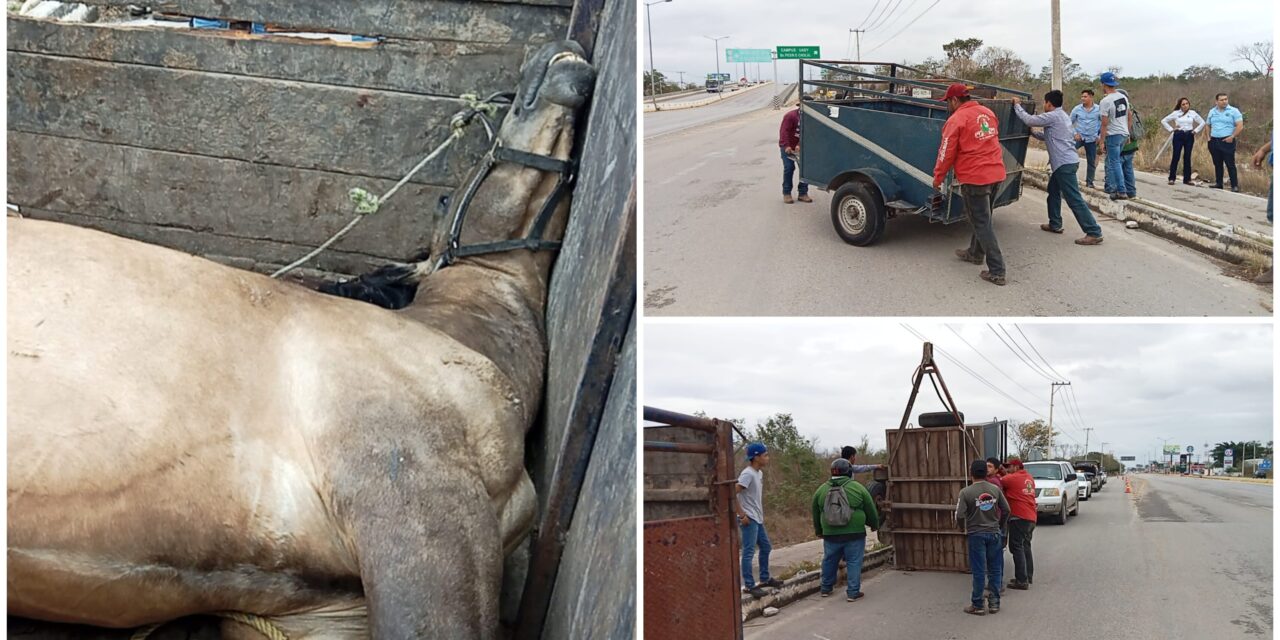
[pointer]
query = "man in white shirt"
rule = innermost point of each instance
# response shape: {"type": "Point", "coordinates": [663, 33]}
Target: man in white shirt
{"type": "Point", "coordinates": [750, 512]}
{"type": "Point", "coordinates": [1115, 131]}
{"type": "Point", "coordinates": [1184, 123]}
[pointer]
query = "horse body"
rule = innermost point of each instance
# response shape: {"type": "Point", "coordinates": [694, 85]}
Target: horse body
{"type": "Point", "coordinates": [189, 438]}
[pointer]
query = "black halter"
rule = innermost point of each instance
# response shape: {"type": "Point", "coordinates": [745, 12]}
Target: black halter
{"type": "Point", "coordinates": [567, 170]}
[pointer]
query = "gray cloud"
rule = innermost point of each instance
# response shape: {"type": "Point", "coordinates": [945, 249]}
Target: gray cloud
{"type": "Point", "coordinates": [841, 379]}
{"type": "Point", "coordinates": [1142, 36]}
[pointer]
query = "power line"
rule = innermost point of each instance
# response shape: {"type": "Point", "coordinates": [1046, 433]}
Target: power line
{"type": "Point", "coordinates": [899, 16]}
{"type": "Point", "coordinates": [993, 365]}
{"type": "Point", "coordinates": [1028, 355]}
{"type": "Point", "coordinates": [1037, 352]}
{"type": "Point", "coordinates": [956, 361]}
{"type": "Point", "coordinates": [908, 25]}
{"type": "Point", "coordinates": [873, 10]}
{"type": "Point", "coordinates": [875, 24]}
{"type": "Point", "coordinates": [1019, 357]}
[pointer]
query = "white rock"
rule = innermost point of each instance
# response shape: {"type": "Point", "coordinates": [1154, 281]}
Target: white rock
{"type": "Point", "coordinates": [27, 6]}
{"type": "Point", "coordinates": [81, 13]}
{"type": "Point", "coordinates": [1131, 224]}
{"type": "Point", "coordinates": [769, 612]}
{"type": "Point", "coordinates": [50, 9]}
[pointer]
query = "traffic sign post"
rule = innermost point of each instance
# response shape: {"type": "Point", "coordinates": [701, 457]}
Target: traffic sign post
{"type": "Point", "coordinates": [1227, 459]}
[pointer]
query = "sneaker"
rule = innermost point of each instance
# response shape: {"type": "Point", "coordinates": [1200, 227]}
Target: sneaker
{"type": "Point", "coordinates": [1089, 240]}
{"type": "Point", "coordinates": [824, 594]}
{"type": "Point", "coordinates": [774, 582]}
{"type": "Point", "coordinates": [1235, 189]}
{"type": "Point", "coordinates": [977, 611]}
{"type": "Point", "coordinates": [1215, 186]}
{"type": "Point", "coordinates": [805, 199]}
{"type": "Point", "coordinates": [963, 254]}
{"type": "Point", "coordinates": [1090, 185]}
{"type": "Point", "coordinates": [758, 592]}
{"type": "Point", "coordinates": [1020, 586]}
{"type": "Point", "coordinates": [1050, 229]}
{"type": "Point", "coordinates": [1119, 196]}
{"type": "Point", "coordinates": [993, 609]}
{"type": "Point", "coordinates": [993, 279]}
{"type": "Point", "coordinates": [854, 597]}
{"type": "Point", "coordinates": [1171, 181]}
{"type": "Point", "coordinates": [1187, 182]}
{"type": "Point", "coordinates": [788, 199]}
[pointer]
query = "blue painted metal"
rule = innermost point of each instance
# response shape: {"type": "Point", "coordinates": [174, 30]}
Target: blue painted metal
{"type": "Point", "coordinates": [893, 138]}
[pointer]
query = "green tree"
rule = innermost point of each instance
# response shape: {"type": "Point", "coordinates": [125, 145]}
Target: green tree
{"type": "Point", "coordinates": [962, 48]}
{"type": "Point", "coordinates": [654, 80]}
{"type": "Point", "coordinates": [1032, 436]}
{"type": "Point", "coordinates": [1202, 72]}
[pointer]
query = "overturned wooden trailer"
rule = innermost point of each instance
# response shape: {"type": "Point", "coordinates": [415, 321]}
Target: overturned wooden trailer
{"type": "Point", "coordinates": [928, 467]}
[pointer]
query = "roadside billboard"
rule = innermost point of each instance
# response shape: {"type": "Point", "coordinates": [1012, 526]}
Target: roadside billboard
{"type": "Point", "coordinates": [1170, 449]}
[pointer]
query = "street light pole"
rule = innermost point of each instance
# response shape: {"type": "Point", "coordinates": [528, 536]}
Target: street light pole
{"type": "Point", "coordinates": [717, 41]}
{"type": "Point", "coordinates": [653, 71]}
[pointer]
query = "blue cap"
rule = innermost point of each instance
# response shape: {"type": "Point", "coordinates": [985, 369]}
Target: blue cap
{"type": "Point", "coordinates": [1109, 79]}
{"type": "Point", "coordinates": [756, 448]}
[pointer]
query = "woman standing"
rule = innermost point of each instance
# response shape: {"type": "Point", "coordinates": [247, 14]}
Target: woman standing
{"type": "Point", "coordinates": [1186, 124]}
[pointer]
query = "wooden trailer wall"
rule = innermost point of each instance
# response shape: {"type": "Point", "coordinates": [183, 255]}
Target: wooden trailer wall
{"type": "Point", "coordinates": [244, 147]}
{"type": "Point", "coordinates": [931, 467]}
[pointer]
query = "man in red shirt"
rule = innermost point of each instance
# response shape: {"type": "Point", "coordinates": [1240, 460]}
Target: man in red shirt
{"type": "Point", "coordinates": [1020, 490]}
{"type": "Point", "coordinates": [789, 145]}
{"type": "Point", "coordinates": [971, 145]}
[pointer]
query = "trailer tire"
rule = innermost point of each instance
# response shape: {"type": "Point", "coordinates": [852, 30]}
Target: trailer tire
{"type": "Point", "coordinates": [858, 214]}
{"type": "Point", "coordinates": [938, 419]}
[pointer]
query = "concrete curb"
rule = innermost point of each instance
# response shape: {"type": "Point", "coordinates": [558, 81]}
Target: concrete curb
{"type": "Point", "coordinates": [1230, 243]}
{"type": "Point", "coordinates": [805, 585]}
{"type": "Point", "coordinates": [1231, 479]}
{"type": "Point", "coordinates": [649, 108]}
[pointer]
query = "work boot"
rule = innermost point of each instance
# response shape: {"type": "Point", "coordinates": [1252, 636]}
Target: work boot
{"type": "Point", "coordinates": [788, 199]}
{"type": "Point", "coordinates": [853, 598]}
{"type": "Point", "coordinates": [1089, 240]}
{"type": "Point", "coordinates": [964, 254]}
{"type": "Point", "coordinates": [977, 611]}
{"type": "Point", "coordinates": [1119, 196]}
{"type": "Point", "coordinates": [805, 199]}
{"type": "Point", "coordinates": [993, 279]}
{"type": "Point", "coordinates": [1020, 586]}
{"type": "Point", "coordinates": [1049, 228]}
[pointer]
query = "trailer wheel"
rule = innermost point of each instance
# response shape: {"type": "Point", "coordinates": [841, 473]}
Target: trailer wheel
{"type": "Point", "coordinates": [857, 214]}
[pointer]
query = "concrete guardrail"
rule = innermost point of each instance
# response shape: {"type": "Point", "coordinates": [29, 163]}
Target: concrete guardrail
{"type": "Point", "coordinates": [648, 105]}
{"type": "Point", "coordinates": [806, 584]}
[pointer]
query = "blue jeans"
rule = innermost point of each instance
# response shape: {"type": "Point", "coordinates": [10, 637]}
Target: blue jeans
{"type": "Point", "coordinates": [1091, 159]}
{"type": "Point", "coordinates": [852, 552]}
{"type": "Point", "coordinates": [788, 169]}
{"type": "Point", "coordinates": [1063, 186]}
{"type": "Point", "coordinates": [753, 534]}
{"type": "Point", "coordinates": [1126, 169]}
{"type": "Point", "coordinates": [986, 561]}
{"type": "Point", "coordinates": [1114, 172]}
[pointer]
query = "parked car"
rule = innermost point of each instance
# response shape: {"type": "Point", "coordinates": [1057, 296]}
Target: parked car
{"type": "Point", "coordinates": [1091, 469]}
{"type": "Point", "coordinates": [1057, 491]}
{"type": "Point", "coordinates": [1085, 484]}
{"type": "Point", "coordinates": [1103, 474]}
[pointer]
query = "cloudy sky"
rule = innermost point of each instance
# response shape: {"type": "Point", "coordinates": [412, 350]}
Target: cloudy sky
{"type": "Point", "coordinates": [1134, 384]}
{"type": "Point", "coordinates": [1141, 36]}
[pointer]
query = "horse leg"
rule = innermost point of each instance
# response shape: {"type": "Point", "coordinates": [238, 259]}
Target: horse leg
{"type": "Point", "coordinates": [428, 544]}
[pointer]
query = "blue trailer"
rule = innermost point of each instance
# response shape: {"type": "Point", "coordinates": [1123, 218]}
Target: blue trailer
{"type": "Point", "coordinates": [872, 138]}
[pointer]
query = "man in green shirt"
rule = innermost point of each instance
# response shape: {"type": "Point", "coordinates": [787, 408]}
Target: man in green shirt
{"type": "Point", "coordinates": [842, 511]}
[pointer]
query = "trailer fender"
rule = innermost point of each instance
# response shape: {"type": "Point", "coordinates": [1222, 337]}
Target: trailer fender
{"type": "Point", "coordinates": [885, 186]}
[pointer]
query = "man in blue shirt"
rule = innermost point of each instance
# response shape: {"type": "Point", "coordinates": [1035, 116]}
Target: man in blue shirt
{"type": "Point", "coordinates": [1064, 163]}
{"type": "Point", "coordinates": [1086, 118]}
{"type": "Point", "coordinates": [1225, 124]}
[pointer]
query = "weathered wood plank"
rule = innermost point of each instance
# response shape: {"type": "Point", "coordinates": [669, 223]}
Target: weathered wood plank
{"type": "Point", "coordinates": [413, 66]}
{"type": "Point", "coordinates": [155, 195]}
{"type": "Point", "coordinates": [293, 124]}
{"type": "Point", "coordinates": [502, 21]}
{"type": "Point", "coordinates": [595, 593]}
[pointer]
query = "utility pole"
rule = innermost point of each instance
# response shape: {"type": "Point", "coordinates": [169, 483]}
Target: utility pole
{"type": "Point", "coordinates": [1086, 442]}
{"type": "Point", "coordinates": [1164, 443]}
{"type": "Point", "coordinates": [1102, 455]}
{"type": "Point", "coordinates": [681, 79]}
{"type": "Point", "coordinates": [1057, 45]}
{"type": "Point", "coordinates": [857, 33]}
{"type": "Point", "coordinates": [1053, 388]}
{"type": "Point", "coordinates": [653, 71]}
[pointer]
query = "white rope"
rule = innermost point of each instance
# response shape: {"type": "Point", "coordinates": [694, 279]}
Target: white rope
{"type": "Point", "coordinates": [367, 203]}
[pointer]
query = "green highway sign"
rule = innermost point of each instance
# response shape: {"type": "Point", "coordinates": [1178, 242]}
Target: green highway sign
{"type": "Point", "coordinates": [796, 53]}
{"type": "Point", "coordinates": [748, 55]}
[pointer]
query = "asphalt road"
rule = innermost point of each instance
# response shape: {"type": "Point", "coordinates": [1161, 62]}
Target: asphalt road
{"type": "Point", "coordinates": [1179, 558]}
{"type": "Point", "coordinates": [718, 240]}
{"type": "Point", "coordinates": [660, 123]}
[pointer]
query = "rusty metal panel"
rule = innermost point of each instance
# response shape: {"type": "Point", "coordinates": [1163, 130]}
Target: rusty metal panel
{"type": "Point", "coordinates": [691, 546]}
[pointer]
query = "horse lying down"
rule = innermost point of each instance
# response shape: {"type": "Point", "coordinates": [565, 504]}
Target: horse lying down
{"type": "Point", "coordinates": [188, 438]}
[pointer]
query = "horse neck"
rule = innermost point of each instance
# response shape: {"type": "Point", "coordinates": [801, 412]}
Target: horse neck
{"type": "Point", "coordinates": [496, 306]}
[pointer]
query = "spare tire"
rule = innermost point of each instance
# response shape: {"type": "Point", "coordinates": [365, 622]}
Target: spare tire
{"type": "Point", "coordinates": [939, 419]}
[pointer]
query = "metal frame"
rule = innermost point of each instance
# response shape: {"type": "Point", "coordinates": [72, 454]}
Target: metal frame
{"type": "Point", "coordinates": [894, 79]}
